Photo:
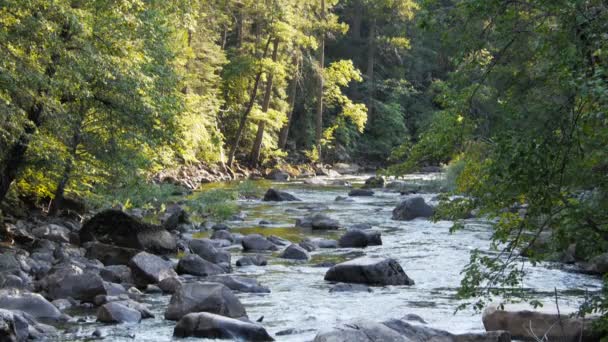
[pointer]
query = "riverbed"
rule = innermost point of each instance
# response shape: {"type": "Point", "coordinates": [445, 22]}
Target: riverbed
{"type": "Point", "coordinates": [300, 301]}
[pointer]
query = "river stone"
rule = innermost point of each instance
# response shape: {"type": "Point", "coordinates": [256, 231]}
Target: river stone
{"type": "Point", "coordinates": [239, 284]}
{"type": "Point", "coordinates": [355, 238]}
{"type": "Point", "coordinates": [174, 216]}
{"type": "Point", "coordinates": [308, 245]}
{"type": "Point", "coordinates": [220, 226]}
{"type": "Point", "coordinates": [371, 271]}
{"type": "Point", "coordinates": [273, 195]}
{"type": "Point", "coordinates": [116, 274]}
{"type": "Point", "coordinates": [109, 255]}
{"type": "Point", "coordinates": [522, 320]}
{"type": "Point", "coordinates": [361, 193]}
{"type": "Point", "coordinates": [415, 332]}
{"type": "Point", "coordinates": [208, 325]}
{"type": "Point", "coordinates": [11, 281]}
{"type": "Point", "coordinates": [31, 303]}
{"type": "Point", "coordinates": [326, 243]}
{"type": "Point", "coordinates": [295, 252]}
{"type": "Point", "coordinates": [361, 331]}
{"type": "Point", "coordinates": [222, 235]}
{"type": "Point", "coordinates": [52, 232]}
{"type": "Point", "coordinates": [170, 285]}
{"type": "Point", "coordinates": [117, 228]}
{"type": "Point", "coordinates": [195, 265]}
{"type": "Point", "coordinates": [412, 208]}
{"type": "Point", "coordinates": [204, 297]}
{"type": "Point", "coordinates": [252, 260]}
{"type": "Point", "coordinates": [150, 269]}
{"type": "Point", "coordinates": [256, 242]}
{"type": "Point", "coordinates": [115, 312]}
{"type": "Point", "coordinates": [278, 241]}
{"type": "Point", "coordinates": [205, 249]}
{"type": "Point", "coordinates": [14, 327]}
{"type": "Point", "coordinates": [322, 221]}
{"type": "Point", "coordinates": [81, 286]}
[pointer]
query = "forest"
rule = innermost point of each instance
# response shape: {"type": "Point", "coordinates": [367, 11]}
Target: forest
{"type": "Point", "coordinates": [509, 98]}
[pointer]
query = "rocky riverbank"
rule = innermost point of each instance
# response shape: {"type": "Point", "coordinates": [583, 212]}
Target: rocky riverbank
{"type": "Point", "coordinates": [294, 254]}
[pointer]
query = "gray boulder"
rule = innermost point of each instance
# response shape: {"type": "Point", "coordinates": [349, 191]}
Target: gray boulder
{"type": "Point", "coordinates": [206, 249]}
{"type": "Point", "coordinates": [412, 208]}
{"type": "Point", "coordinates": [239, 284]}
{"type": "Point", "coordinates": [150, 269]}
{"type": "Point", "coordinates": [355, 238]}
{"type": "Point", "coordinates": [52, 232]}
{"type": "Point", "coordinates": [204, 297]}
{"type": "Point", "coordinates": [256, 242]}
{"type": "Point", "coordinates": [31, 303]}
{"type": "Point", "coordinates": [208, 325]}
{"type": "Point", "coordinates": [374, 182]}
{"type": "Point", "coordinates": [195, 265]}
{"type": "Point", "coordinates": [110, 255]}
{"type": "Point", "coordinates": [273, 195]}
{"type": "Point", "coordinates": [252, 260]}
{"type": "Point", "coordinates": [18, 326]}
{"type": "Point", "coordinates": [115, 312]}
{"type": "Point", "coordinates": [295, 252]}
{"type": "Point", "coordinates": [117, 274]}
{"type": "Point", "coordinates": [371, 271]}
{"type": "Point", "coordinates": [170, 285]}
{"type": "Point", "coordinates": [75, 283]}
{"type": "Point", "coordinates": [117, 228]}
{"type": "Point", "coordinates": [360, 331]}
{"type": "Point", "coordinates": [324, 222]}
{"type": "Point", "coordinates": [222, 235]}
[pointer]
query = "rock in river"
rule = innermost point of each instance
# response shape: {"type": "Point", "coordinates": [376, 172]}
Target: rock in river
{"type": "Point", "coordinates": [273, 195]}
{"type": "Point", "coordinates": [361, 193]}
{"type": "Point", "coordinates": [150, 269]}
{"type": "Point", "coordinates": [239, 284]}
{"type": "Point", "coordinates": [31, 303]}
{"type": "Point", "coordinates": [207, 325]}
{"type": "Point", "coordinates": [252, 260]}
{"type": "Point", "coordinates": [195, 265]}
{"type": "Point", "coordinates": [118, 228]}
{"type": "Point", "coordinates": [412, 208]}
{"type": "Point", "coordinates": [204, 297]}
{"type": "Point", "coordinates": [371, 271]}
{"type": "Point", "coordinates": [355, 238]}
{"type": "Point", "coordinates": [115, 312]}
{"type": "Point", "coordinates": [295, 252]}
{"type": "Point", "coordinates": [256, 242]}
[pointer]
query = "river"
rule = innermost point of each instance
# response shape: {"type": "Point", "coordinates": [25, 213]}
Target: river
{"type": "Point", "coordinates": [300, 299]}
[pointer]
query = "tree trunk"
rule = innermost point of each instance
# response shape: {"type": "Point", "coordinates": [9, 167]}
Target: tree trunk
{"type": "Point", "coordinates": [248, 109]}
{"type": "Point", "coordinates": [16, 155]}
{"type": "Point", "coordinates": [357, 17]}
{"type": "Point", "coordinates": [319, 116]}
{"type": "Point", "coordinates": [67, 171]}
{"type": "Point", "coordinates": [292, 103]}
{"type": "Point", "coordinates": [257, 145]}
{"type": "Point", "coordinates": [370, 70]}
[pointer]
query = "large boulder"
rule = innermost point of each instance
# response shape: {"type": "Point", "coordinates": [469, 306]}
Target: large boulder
{"type": "Point", "coordinates": [256, 242]}
{"type": "Point", "coordinates": [108, 254]}
{"type": "Point", "coordinates": [174, 216]}
{"type": "Point", "coordinates": [597, 265]}
{"type": "Point", "coordinates": [412, 208]}
{"type": "Point", "coordinates": [195, 265]}
{"type": "Point", "coordinates": [52, 232]}
{"type": "Point", "coordinates": [75, 283]}
{"type": "Point", "coordinates": [525, 322]}
{"type": "Point", "coordinates": [31, 303]}
{"type": "Point", "coordinates": [323, 222]}
{"type": "Point", "coordinates": [371, 271]}
{"type": "Point", "coordinates": [399, 330]}
{"type": "Point", "coordinates": [239, 284]}
{"type": "Point", "coordinates": [206, 249]}
{"type": "Point", "coordinates": [117, 274]}
{"type": "Point", "coordinates": [273, 195]}
{"type": "Point", "coordinates": [356, 238]}
{"type": "Point", "coordinates": [114, 312]}
{"type": "Point", "coordinates": [18, 326]}
{"type": "Point", "coordinates": [150, 269]}
{"type": "Point", "coordinates": [295, 252]}
{"type": "Point", "coordinates": [204, 297]}
{"type": "Point", "coordinates": [118, 228]}
{"type": "Point", "coordinates": [208, 325]}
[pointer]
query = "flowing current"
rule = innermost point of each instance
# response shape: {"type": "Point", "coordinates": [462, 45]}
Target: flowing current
{"type": "Point", "coordinates": [300, 300]}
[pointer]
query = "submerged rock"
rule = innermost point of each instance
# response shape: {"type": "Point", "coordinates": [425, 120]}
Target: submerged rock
{"type": "Point", "coordinates": [207, 325]}
{"type": "Point", "coordinates": [359, 239]}
{"type": "Point", "coordinates": [318, 221]}
{"type": "Point", "coordinates": [273, 195]}
{"type": "Point", "coordinates": [412, 208]}
{"type": "Point", "coordinates": [371, 271]}
{"type": "Point", "coordinates": [118, 228]}
{"type": "Point", "coordinates": [361, 193]}
{"type": "Point", "coordinates": [350, 288]}
{"type": "Point", "coordinates": [204, 297]}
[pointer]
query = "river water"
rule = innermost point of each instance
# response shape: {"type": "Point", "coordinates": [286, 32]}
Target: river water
{"type": "Point", "coordinates": [300, 298]}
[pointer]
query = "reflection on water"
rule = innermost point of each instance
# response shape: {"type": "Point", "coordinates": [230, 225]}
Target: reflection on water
{"type": "Point", "coordinates": [300, 299]}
